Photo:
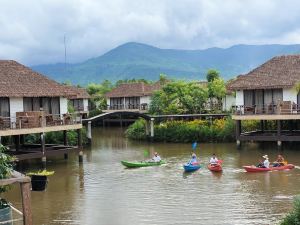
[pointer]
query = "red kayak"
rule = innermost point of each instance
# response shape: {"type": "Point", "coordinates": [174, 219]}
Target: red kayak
{"type": "Point", "coordinates": [258, 169]}
{"type": "Point", "coordinates": [215, 168]}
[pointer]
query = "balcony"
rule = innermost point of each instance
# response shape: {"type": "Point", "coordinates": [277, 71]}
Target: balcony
{"type": "Point", "coordinates": [284, 110]}
{"type": "Point", "coordinates": [38, 122]}
{"type": "Point", "coordinates": [127, 107]}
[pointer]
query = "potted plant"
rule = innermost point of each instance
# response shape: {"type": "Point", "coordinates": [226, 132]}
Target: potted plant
{"type": "Point", "coordinates": [39, 179]}
{"type": "Point", "coordinates": [6, 167]}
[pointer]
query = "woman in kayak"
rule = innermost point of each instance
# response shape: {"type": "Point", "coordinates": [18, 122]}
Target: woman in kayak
{"type": "Point", "coordinates": [279, 161]}
{"type": "Point", "coordinates": [193, 160]}
{"type": "Point", "coordinates": [213, 160]}
{"type": "Point", "coordinates": [156, 157]}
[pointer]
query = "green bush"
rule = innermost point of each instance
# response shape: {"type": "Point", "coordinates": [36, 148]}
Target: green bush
{"type": "Point", "coordinates": [220, 130]}
{"type": "Point", "coordinates": [293, 218]}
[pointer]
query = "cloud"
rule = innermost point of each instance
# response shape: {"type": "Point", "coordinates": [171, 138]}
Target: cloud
{"type": "Point", "coordinates": [32, 31]}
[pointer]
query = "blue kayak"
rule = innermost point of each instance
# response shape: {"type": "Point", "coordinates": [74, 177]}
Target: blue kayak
{"type": "Point", "coordinates": [191, 168]}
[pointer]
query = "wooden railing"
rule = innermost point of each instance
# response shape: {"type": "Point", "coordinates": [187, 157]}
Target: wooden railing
{"type": "Point", "coordinates": [283, 107]}
{"type": "Point", "coordinates": [143, 106]}
{"type": "Point", "coordinates": [38, 119]}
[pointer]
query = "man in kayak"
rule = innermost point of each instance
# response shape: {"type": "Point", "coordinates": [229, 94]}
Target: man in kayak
{"type": "Point", "coordinates": [265, 163]}
{"type": "Point", "coordinates": [214, 160]}
{"type": "Point", "coordinates": [156, 157]}
{"type": "Point", "coordinates": [279, 161]}
{"type": "Point", "coordinates": [193, 160]}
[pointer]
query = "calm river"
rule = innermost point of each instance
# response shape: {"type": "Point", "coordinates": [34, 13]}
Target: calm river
{"type": "Point", "coordinates": [102, 192]}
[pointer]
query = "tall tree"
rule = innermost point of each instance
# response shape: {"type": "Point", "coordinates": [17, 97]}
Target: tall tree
{"type": "Point", "coordinates": [212, 74]}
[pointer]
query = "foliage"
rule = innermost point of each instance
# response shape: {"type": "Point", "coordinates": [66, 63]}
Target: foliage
{"type": "Point", "coordinates": [218, 130]}
{"type": "Point", "coordinates": [137, 130]}
{"type": "Point", "coordinates": [6, 167]}
{"type": "Point", "coordinates": [70, 107]}
{"type": "Point", "coordinates": [297, 87]}
{"type": "Point", "coordinates": [212, 74]}
{"type": "Point", "coordinates": [126, 81]}
{"type": "Point", "coordinates": [40, 173]}
{"type": "Point", "coordinates": [293, 218]}
{"type": "Point", "coordinates": [179, 97]}
{"type": "Point", "coordinates": [57, 138]}
{"type": "Point", "coordinates": [163, 79]}
{"type": "Point", "coordinates": [216, 88]}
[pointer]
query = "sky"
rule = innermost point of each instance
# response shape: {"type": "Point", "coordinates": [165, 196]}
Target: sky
{"type": "Point", "coordinates": [32, 31]}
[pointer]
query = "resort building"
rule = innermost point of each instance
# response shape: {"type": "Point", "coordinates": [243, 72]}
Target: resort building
{"type": "Point", "coordinates": [131, 96]}
{"type": "Point", "coordinates": [269, 94]}
{"type": "Point", "coordinates": [30, 103]}
{"type": "Point", "coordinates": [79, 100]}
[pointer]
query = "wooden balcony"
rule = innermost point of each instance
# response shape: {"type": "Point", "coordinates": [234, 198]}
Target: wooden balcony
{"type": "Point", "coordinates": [284, 110]}
{"type": "Point", "coordinates": [127, 107]}
{"type": "Point", "coordinates": [38, 122]}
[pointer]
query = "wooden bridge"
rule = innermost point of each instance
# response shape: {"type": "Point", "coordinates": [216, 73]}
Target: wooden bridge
{"type": "Point", "coordinates": [149, 118]}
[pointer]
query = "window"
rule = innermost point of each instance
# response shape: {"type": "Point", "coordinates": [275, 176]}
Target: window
{"type": "Point", "coordinates": [49, 105]}
{"type": "Point", "coordinates": [4, 107]}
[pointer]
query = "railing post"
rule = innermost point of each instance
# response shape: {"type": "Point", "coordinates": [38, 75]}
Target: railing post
{"type": "Point", "coordinates": [26, 203]}
{"type": "Point", "coordinates": [152, 128]}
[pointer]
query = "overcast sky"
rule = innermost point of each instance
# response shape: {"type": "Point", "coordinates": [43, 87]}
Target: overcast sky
{"type": "Point", "coordinates": [32, 31]}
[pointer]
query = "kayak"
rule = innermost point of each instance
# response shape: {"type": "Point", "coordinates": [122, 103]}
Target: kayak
{"type": "Point", "coordinates": [215, 168]}
{"type": "Point", "coordinates": [141, 164]}
{"type": "Point", "coordinates": [258, 169]}
{"type": "Point", "coordinates": [191, 167]}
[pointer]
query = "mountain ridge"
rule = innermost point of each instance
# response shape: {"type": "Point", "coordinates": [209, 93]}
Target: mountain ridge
{"type": "Point", "coordinates": [138, 60]}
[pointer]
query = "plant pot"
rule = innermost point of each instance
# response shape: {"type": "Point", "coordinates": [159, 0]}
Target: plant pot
{"type": "Point", "coordinates": [38, 182]}
{"type": "Point", "coordinates": [6, 215]}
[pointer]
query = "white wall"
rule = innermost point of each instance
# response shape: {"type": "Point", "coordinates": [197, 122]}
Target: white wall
{"type": "Point", "coordinates": [63, 105]}
{"type": "Point", "coordinates": [85, 105]}
{"type": "Point", "coordinates": [108, 101]}
{"type": "Point", "coordinates": [228, 102]}
{"type": "Point", "coordinates": [289, 95]}
{"type": "Point", "coordinates": [239, 97]}
{"type": "Point", "coordinates": [16, 105]}
{"type": "Point", "coordinates": [145, 99]}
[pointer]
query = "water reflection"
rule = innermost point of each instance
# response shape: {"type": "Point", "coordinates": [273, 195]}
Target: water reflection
{"type": "Point", "coordinates": [102, 191]}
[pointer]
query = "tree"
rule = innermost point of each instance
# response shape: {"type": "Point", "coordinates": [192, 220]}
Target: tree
{"type": "Point", "coordinates": [163, 79]}
{"type": "Point", "coordinates": [216, 90]}
{"type": "Point", "coordinates": [212, 74]}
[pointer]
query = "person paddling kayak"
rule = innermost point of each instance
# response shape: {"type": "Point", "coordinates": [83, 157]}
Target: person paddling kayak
{"type": "Point", "coordinates": [265, 163]}
{"type": "Point", "coordinates": [193, 160]}
{"type": "Point", "coordinates": [279, 161]}
{"type": "Point", "coordinates": [214, 160]}
{"type": "Point", "coordinates": [156, 157]}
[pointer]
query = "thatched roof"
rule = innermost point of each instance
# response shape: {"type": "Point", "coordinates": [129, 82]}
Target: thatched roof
{"type": "Point", "coordinates": [77, 93]}
{"type": "Point", "coordinates": [278, 72]}
{"type": "Point", "coordinates": [133, 90]}
{"type": "Point", "coordinates": [17, 80]}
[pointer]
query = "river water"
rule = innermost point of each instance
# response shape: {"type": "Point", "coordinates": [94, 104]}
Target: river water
{"type": "Point", "coordinates": [102, 192]}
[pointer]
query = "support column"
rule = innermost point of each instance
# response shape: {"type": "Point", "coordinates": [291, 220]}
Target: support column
{"type": "Point", "coordinates": [65, 135]}
{"type": "Point", "coordinates": [79, 144]}
{"type": "Point", "coordinates": [238, 132]}
{"type": "Point", "coordinates": [22, 139]}
{"type": "Point", "coordinates": [152, 128]}
{"type": "Point", "coordinates": [17, 142]}
{"type": "Point", "coordinates": [26, 203]}
{"type": "Point", "coordinates": [43, 146]}
{"type": "Point", "coordinates": [262, 126]}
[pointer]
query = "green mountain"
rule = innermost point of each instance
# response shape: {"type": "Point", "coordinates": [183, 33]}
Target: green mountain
{"type": "Point", "coordinates": [136, 60]}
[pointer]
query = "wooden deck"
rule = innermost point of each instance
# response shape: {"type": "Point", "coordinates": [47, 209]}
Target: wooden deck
{"type": "Point", "coordinates": [270, 136]}
{"type": "Point", "coordinates": [267, 117]}
{"type": "Point", "coordinates": [35, 130]}
{"type": "Point", "coordinates": [35, 151]}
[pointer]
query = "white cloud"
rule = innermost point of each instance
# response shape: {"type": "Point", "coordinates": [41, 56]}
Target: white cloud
{"type": "Point", "coordinates": [32, 31]}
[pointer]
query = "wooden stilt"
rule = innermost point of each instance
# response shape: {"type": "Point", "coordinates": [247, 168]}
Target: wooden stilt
{"type": "Point", "coordinates": [26, 203]}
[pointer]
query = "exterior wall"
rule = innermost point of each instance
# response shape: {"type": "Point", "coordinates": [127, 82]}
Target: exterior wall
{"type": "Point", "coordinates": [85, 105]}
{"type": "Point", "coordinates": [16, 105]}
{"type": "Point", "coordinates": [228, 101]}
{"type": "Point", "coordinates": [63, 105]}
{"type": "Point", "coordinates": [239, 97]}
{"type": "Point", "coordinates": [145, 99]}
{"type": "Point", "coordinates": [108, 101]}
{"type": "Point", "coordinates": [289, 95]}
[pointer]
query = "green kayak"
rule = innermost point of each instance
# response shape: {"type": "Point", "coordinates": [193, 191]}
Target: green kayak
{"type": "Point", "coordinates": [141, 164]}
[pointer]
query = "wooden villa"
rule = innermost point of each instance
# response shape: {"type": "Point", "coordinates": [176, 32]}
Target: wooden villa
{"type": "Point", "coordinates": [269, 94]}
{"type": "Point", "coordinates": [79, 100]}
{"type": "Point", "coordinates": [30, 103]}
{"type": "Point", "coordinates": [131, 97]}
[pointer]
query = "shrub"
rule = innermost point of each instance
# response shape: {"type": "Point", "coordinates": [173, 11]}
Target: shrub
{"type": "Point", "coordinates": [293, 218]}
{"type": "Point", "coordinates": [137, 130]}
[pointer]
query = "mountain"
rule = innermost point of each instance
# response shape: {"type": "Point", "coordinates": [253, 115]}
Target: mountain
{"type": "Point", "coordinates": [136, 60]}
